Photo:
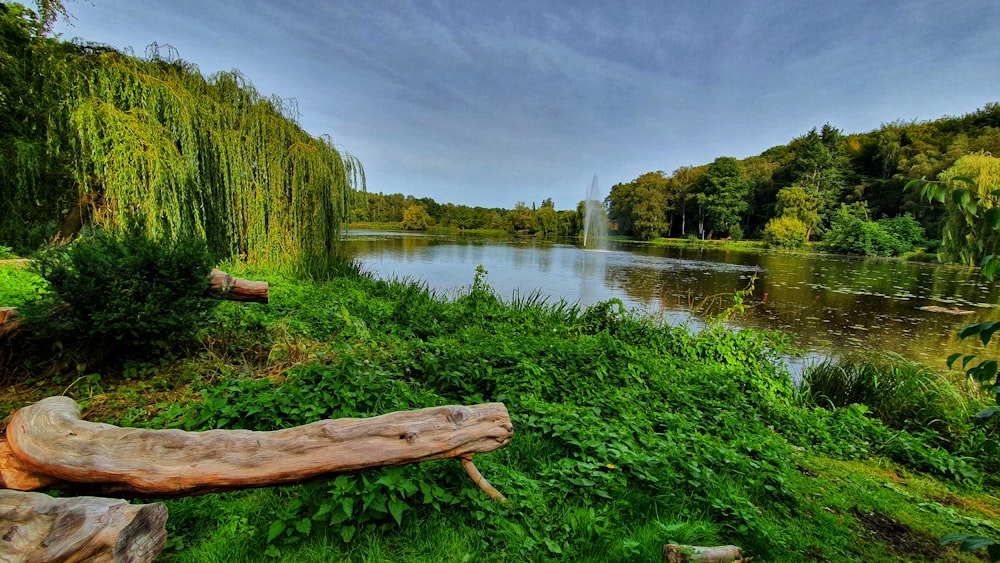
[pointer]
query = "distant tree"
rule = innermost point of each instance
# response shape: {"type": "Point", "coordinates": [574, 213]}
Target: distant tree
{"type": "Point", "coordinates": [569, 223]}
{"type": "Point", "coordinates": [522, 218]}
{"type": "Point", "coordinates": [639, 207]}
{"type": "Point", "coordinates": [785, 232]}
{"type": "Point", "coordinates": [818, 168]}
{"type": "Point", "coordinates": [680, 193]}
{"type": "Point", "coordinates": [797, 202]}
{"type": "Point", "coordinates": [416, 218]}
{"type": "Point", "coordinates": [546, 219]}
{"type": "Point", "coordinates": [723, 196]}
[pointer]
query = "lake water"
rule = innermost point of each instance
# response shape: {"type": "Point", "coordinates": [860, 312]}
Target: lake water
{"type": "Point", "coordinates": [830, 303]}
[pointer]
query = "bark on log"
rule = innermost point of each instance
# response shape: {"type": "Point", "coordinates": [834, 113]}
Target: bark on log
{"type": "Point", "coordinates": [36, 527]}
{"type": "Point", "coordinates": [676, 553]}
{"type": "Point", "coordinates": [48, 438]}
{"type": "Point", "coordinates": [8, 321]}
{"type": "Point", "coordinates": [237, 289]}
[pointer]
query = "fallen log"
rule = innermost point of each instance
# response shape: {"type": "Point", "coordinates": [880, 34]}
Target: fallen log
{"type": "Point", "coordinates": [677, 553]}
{"type": "Point", "coordinates": [51, 443]}
{"type": "Point", "coordinates": [36, 527]}
{"type": "Point", "coordinates": [237, 289]}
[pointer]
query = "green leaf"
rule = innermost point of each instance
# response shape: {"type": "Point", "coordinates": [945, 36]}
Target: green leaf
{"type": "Point", "coordinates": [303, 526]}
{"type": "Point", "coordinates": [987, 331]}
{"type": "Point", "coordinates": [277, 527]}
{"type": "Point", "coordinates": [396, 508]}
{"type": "Point", "coordinates": [992, 218]}
{"type": "Point", "coordinates": [272, 551]}
{"type": "Point", "coordinates": [972, 543]}
{"type": "Point", "coordinates": [952, 358]}
{"type": "Point", "coordinates": [985, 371]}
{"type": "Point", "coordinates": [989, 266]}
{"type": "Point", "coordinates": [961, 197]}
{"type": "Point", "coordinates": [964, 180]}
{"type": "Point", "coordinates": [553, 546]}
{"type": "Point", "coordinates": [988, 413]}
{"type": "Point", "coordinates": [347, 533]}
{"type": "Point", "coordinates": [970, 330]}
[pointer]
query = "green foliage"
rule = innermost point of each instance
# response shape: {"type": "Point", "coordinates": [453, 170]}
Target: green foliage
{"type": "Point", "coordinates": [797, 202]}
{"type": "Point", "coordinates": [130, 293]}
{"type": "Point", "coordinates": [18, 285]}
{"type": "Point", "coordinates": [638, 207]}
{"type": "Point", "coordinates": [903, 394]}
{"type": "Point", "coordinates": [415, 218]}
{"type": "Point", "coordinates": [785, 232]}
{"type": "Point", "coordinates": [723, 196]}
{"type": "Point", "coordinates": [851, 232]}
{"type": "Point", "coordinates": [153, 145]}
{"type": "Point", "coordinates": [973, 212]}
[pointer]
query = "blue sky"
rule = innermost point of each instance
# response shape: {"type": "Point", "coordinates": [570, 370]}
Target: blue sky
{"type": "Point", "coordinates": [492, 103]}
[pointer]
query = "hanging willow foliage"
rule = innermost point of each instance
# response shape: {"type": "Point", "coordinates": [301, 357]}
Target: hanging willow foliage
{"type": "Point", "coordinates": [966, 238]}
{"type": "Point", "coordinates": [152, 145]}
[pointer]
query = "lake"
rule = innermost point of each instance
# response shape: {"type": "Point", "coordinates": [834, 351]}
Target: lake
{"type": "Point", "coordinates": [831, 303]}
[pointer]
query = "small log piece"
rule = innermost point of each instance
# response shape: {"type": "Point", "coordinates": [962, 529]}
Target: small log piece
{"type": "Point", "coordinates": [237, 289]}
{"type": "Point", "coordinates": [14, 475]}
{"type": "Point", "coordinates": [36, 527]}
{"type": "Point", "coordinates": [48, 438]}
{"type": "Point", "coordinates": [676, 553]}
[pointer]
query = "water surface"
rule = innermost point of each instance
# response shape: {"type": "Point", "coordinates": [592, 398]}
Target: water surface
{"type": "Point", "coordinates": [830, 303]}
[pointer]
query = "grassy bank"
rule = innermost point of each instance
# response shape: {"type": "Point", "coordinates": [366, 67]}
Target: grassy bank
{"type": "Point", "coordinates": [628, 435]}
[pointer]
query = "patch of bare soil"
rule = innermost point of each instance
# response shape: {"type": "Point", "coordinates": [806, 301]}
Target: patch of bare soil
{"type": "Point", "coordinates": [899, 537]}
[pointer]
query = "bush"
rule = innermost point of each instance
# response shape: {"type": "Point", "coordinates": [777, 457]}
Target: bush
{"type": "Point", "coordinates": [906, 230]}
{"type": "Point", "coordinates": [133, 292]}
{"type": "Point", "coordinates": [850, 233]}
{"type": "Point", "coordinates": [785, 232]}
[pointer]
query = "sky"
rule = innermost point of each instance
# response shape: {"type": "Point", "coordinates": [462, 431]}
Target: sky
{"type": "Point", "coordinates": [491, 103]}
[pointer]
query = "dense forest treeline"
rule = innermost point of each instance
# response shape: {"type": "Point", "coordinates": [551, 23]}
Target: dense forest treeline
{"type": "Point", "coordinates": [844, 189]}
{"type": "Point", "coordinates": [810, 178]}
{"type": "Point", "coordinates": [90, 136]}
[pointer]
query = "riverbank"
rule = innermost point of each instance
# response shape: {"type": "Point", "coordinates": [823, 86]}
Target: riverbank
{"type": "Point", "coordinates": [628, 435]}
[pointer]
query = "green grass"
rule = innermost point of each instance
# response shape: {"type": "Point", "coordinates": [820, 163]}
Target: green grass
{"type": "Point", "coordinates": [903, 394]}
{"type": "Point", "coordinates": [628, 435]}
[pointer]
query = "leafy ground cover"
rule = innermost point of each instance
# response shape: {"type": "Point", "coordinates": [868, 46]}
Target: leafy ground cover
{"type": "Point", "coordinates": [628, 434]}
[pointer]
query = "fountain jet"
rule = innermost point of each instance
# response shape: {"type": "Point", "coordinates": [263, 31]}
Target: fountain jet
{"type": "Point", "coordinates": [595, 220]}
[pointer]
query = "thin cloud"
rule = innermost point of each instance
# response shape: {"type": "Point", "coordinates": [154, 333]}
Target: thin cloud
{"type": "Point", "coordinates": [521, 100]}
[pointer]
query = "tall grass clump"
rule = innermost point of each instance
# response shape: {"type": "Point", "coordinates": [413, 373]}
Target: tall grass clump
{"type": "Point", "coordinates": [904, 394]}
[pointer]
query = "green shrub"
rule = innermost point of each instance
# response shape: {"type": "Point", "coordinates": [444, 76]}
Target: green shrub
{"type": "Point", "coordinates": [852, 233]}
{"type": "Point", "coordinates": [134, 292]}
{"type": "Point", "coordinates": [904, 229]}
{"type": "Point", "coordinates": [785, 232]}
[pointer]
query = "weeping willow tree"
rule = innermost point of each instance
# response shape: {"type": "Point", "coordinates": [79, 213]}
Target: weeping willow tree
{"type": "Point", "coordinates": [966, 237]}
{"type": "Point", "coordinates": [151, 145]}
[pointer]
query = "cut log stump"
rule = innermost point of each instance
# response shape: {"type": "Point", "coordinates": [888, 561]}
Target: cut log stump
{"type": "Point", "coordinates": [36, 527]}
{"type": "Point", "coordinates": [52, 447]}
